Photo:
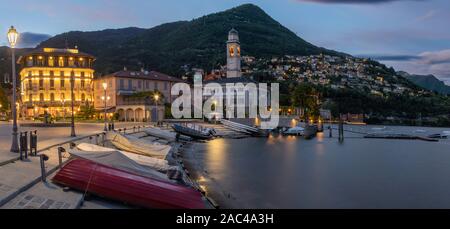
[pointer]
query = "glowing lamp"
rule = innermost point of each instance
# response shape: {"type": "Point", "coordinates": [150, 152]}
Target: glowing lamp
{"type": "Point", "coordinates": [13, 35]}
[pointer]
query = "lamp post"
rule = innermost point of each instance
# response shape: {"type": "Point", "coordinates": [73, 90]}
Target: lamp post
{"type": "Point", "coordinates": [156, 97]}
{"type": "Point", "coordinates": [13, 35]}
{"type": "Point", "coordinates": [105, 98]}
{"type": "Point", "coordinates": [72, 124]}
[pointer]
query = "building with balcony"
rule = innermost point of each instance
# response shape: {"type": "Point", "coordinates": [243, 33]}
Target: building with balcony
{"type": "Point", "coordinates": [129, 94]}
{"type": "Point", "coordinates": [46, 78]}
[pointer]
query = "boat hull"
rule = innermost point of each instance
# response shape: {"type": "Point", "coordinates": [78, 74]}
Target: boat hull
{"type": "Point", "coordinates": [127, 187]}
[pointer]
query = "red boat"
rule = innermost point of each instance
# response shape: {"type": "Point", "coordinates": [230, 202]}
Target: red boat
{"type": "Point", "coordinates": [127, 187]}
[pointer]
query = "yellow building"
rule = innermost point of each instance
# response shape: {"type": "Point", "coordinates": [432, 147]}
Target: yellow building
{"type": "Point", "coordinates": [46, 81]}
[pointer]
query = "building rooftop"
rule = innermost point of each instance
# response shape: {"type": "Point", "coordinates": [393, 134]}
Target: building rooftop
{"type": "Point", "coordinates": [150, 75]}
{"type": "Point", "coordinates": [57, 51]}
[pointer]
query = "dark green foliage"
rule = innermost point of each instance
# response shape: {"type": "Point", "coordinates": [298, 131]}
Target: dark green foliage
{"type": "Point", "coordinates": [198, 43]}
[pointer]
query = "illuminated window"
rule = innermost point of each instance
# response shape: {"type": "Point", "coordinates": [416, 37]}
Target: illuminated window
{"type": "Point", "coordinates": [52, 97]}
{"type": "Point", "coordinates": [71, 62]}
{"type": "Point", "coordinates": [83, 97]}
{"type": "Point", "coordinates": [62, 82]}
{"type": "Point", "coordinates": [30, 61]}
{"type": "Point", "coordinates": [231, 51]}
{"type": "Point", "coordinates": [238, 51]}
{"type": "Point", "coordinates": [40, 61]}
{"type": "Point", "coordinates": [82, 84]}
{"type": "Point", "coordinates": [63, 96]}
{"type": "Point", "coordinates": [41, 97]}
{"type": "Point", "coordinates": [61, 61]}
{"type": "Point", "coordinates": [51, 61]}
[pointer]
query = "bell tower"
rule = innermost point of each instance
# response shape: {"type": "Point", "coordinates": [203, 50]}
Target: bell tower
{"type": "Point", "coordinates": [233, 55]}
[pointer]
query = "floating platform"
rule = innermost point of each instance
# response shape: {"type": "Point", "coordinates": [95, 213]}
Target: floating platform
{"type": "Point", "coordinates": [401, 137]}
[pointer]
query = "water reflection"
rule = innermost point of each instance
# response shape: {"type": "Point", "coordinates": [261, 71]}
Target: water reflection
{"type": "Point", "coordinates": [291, 172]}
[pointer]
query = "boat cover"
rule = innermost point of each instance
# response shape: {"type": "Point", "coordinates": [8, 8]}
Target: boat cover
{"type": "Point", "coordinates": [135, 145]}
{"type": "Point", "coordinates": [155, 163]}
{"type": "Point", "coordinates": [117, 160]}
{"type": "Point", "coordinates": [117, 184]}
{"type": "Point", "coordinates": [164, 134]}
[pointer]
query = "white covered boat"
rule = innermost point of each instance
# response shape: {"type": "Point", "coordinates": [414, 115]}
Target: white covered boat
{"type": "Point", "coordinates": [139, 146]}
{"type": "Point", "coordinates": [156, 163]}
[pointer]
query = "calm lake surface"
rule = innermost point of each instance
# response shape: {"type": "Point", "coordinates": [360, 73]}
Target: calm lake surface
{"type": "Point", "coordinates": [290, 172]}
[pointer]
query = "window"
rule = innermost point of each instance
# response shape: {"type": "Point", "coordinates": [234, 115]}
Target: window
{"type": "Point", "coordinates": [63, 97]}
{"type": "Point", "coordinates": [82, 84]}
{"type": "Point", "coordinates": [139, 84]}
{"type": "Point", "coordinates": [30, 61]}
{"type": "Point", "coordinates": [52, 83]}
{"type": "Point", "coordinates": [130, 85]}
{"type": "Point", "coordinates": [121, 84]}
{"type": "Point", "coordinates": [40, 61]}
{"type": "Point", "coordinates": [52, 97]}
{"type": "Point", "coordinates": [41, 97]}
{"type": "Point", "coordinates": [62, 82]}
{"type": "Point", "coordinates": [30, 84]}
{"type": "Point", "coordinates": [61, 61]}
{"type": "Point", "coordinates": [51, 61]}
{"type": "Point", "coordinates": [156, 85]}
{"type": "Point", "coordinates": [82, 74]}
{"type": "Point", "coordinates": [81, 62]}
{"type": "Point", "coordinates": [52, 73]}
{"type": "Point", "coordinates": [71, 62]}
{"type": "Point", "coordinates": [30, 74]}
{"type": "Point", "coordinates": [147, 84]}
{"type": "Point", "coordinates": [83, 97]}
{"type": "Point", "coordinates": [41, 84]}
{"type": "Point", "coordinates": [41, 73]}
{"type": "Point", "coordinates": [231, 51]}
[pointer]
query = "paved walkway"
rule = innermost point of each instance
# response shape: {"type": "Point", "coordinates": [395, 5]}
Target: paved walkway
{"type": "Point", "coordinates": [20, 181]}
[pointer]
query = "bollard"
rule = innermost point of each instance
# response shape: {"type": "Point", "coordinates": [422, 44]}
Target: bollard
{"type": "Point", "coordinates": [331, 131]}
{"type": "Point", "coordinates": [96, 139]}
{"type": "Point", "coordinates": [21, 146]}
{"type": "Point", "coordinates": [103, 139]}
{"type": "Point", "coordinates": [43, 158]}
{"type": "Point", "coordinates": [25, 139]}
{"type": "Point", "coordinates": [60, 151]}
{"type": "Point", "coordinates": [33, 143]}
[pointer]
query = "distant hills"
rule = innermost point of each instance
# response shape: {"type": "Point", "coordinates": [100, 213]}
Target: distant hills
{"type": "Point", "coordinates": [200, 42]}
{"type": "Point", "coordinates": [428, 82]}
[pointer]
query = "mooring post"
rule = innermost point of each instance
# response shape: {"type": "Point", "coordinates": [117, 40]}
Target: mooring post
{"type": "Point", "coordinates": [21, 146]}
{"type": "Point", "coordinates": [61, 150]}
{"type": "Point", "coordinates": [25, 139]}
{"type": "Point", "coordinates": [341, 130]}
{"type": "Point", "coordinates": [331, 131]}
{"type": "Point", "coordinates": [43, 158]}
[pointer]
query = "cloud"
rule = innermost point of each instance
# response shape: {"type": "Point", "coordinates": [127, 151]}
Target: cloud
{"type": "Point", "coordinates": [31, 40]}
{"type": "Point", "coordinates": [355, 1]}
{"type": "Point", "coordinates": [428, 15]}
{"type": "Point", "coordinates": [436, 63]}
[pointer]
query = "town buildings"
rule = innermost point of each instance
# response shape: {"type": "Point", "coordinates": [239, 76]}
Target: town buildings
{"type": "Point", "coordinates": [46, 78]}
{"type": "Point", "coordinates": [131, 94]}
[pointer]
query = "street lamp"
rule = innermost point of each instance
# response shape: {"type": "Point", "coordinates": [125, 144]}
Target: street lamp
{"type": "Point", "coordinates": [156, 97]}
{"type": "Point", "coordinates": [13, 35]}
{"type": "Point", "coordinates": [72, 124]}
{"type": "Point", "coordinates": [105, 98]}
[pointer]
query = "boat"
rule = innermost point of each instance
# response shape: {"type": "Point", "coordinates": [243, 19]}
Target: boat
{"type": "Point", "coordinates": [438, 136]}
{"type": "Point", "coordinates": [135, 145]}
{"type": "Point", "coordinates": [154, 163]}
{"type": "Point", "coordinates": [297, 130]}
{"type": "Point", "coordinates": [165, 134]}
{"type": "Point", "coordinates": [117, 160]}
{"type": "Point", "coordinates": [254, 131]}
{"type": "Point", "coordinates": [194, 133]}
{"type": "Point", "coordinates": [130, 188]}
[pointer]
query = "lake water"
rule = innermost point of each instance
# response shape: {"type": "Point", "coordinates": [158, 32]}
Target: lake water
{"type": "Point", "coordinates": [290, 172]}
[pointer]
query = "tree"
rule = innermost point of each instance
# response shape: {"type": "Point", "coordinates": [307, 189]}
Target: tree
{"type": "Point", "coordinates": [306, 97]}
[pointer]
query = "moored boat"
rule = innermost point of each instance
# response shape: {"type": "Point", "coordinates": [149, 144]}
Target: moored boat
{"type": "Point", "coordinates": [130, 188]}
{"type": "Point", "coordinates": [297, 130]}
{"type": "Point", "coordinates": [139, 146]}
{"type": "Point", "coordinates": [194, 133]}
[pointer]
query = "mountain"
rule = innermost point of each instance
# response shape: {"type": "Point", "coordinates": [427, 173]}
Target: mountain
{"type": "Point", "coordinates": [429, 82]}
{"type": "Point", "coordinates": [5, 61]}
{"type": "Point", "coordinates": [199, 43]}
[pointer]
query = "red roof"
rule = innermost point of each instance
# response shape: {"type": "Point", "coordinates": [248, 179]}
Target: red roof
{"type": "Point", "coordinates": [124, 186]}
